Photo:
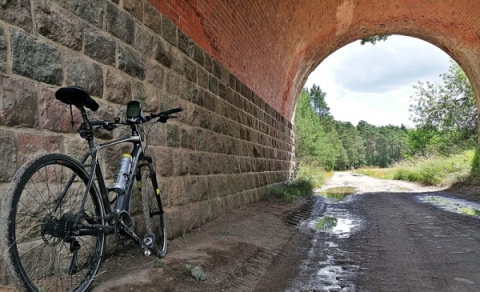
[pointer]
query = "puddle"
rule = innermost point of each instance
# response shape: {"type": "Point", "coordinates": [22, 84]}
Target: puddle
{"type": "Point", "coordinates": [326, 223]}
{"type": "Point", "coordinates": [338, 193]}
{"type": "Point", "coordinates": [458, 206]}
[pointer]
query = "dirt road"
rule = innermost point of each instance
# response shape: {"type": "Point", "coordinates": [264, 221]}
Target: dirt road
{"type": "Point", "coordinates": [389, 236]}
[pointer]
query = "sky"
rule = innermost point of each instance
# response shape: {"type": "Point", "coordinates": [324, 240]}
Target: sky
{"type": "Point", "coordinates": [374, 83]}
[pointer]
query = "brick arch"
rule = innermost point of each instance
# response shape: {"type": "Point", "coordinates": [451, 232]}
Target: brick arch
{"type": "Point", "coordinates": [273, 45]}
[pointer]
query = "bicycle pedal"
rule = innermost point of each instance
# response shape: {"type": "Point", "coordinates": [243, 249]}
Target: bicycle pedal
{"type": "Point", "coordinates": [147, 252]}
{"type": "Point", "coordinates": [148, 241]}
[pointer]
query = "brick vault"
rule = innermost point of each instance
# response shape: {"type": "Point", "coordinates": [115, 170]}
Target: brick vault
{"type": "Point", "coordinates": [273, 45]}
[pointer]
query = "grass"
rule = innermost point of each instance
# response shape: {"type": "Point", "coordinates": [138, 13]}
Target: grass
{"type": "Point", "coordinates": [437, 170]}
{"type": "Point", "coordinates": [309, 176]}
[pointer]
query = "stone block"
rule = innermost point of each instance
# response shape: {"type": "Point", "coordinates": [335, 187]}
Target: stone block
{"type": "Point", "coordinates": [143, 40]}
{"type": "Point", "coordinates": [200, 140]}
{"type": "Point", "coordinates": [152, 18]}
{"type": "Point", "coordinates": [100, 47]}
{"type": "Point", "coordinates": [187, 139]}
{"type": "Point", "coordinates": [90, 10]}
{"type": "Point", "coordinates": [17, 12]}
{"type": "Point", "coordinates": [163, 161]}
{"type": "Point", "coordinates": [173, 135]}
{"type": "Point", "coordinates": [75, 146]}
{"type": "Point", "coordinates": [19, 101]}
{"type": "Point", "coordinates": [35, 59]}
{"type": "Point", "coordinates": [180, 163]}
{"type": "Point", "coordinates": [117, 87]}
{"type": "Point", "coordinates": [134, 7]}
{"type": "Point", "coordinates": [172, 83]}
{"type": "Point", "coordinates": [3, 50]}
{"type": "Point", "coordinates": [55, 115]}
{"type": "Point", "coordinates": [154, 73]}
{"type": "Point", "coordinates": [29, 145]}
{"type": "Point", "coordinates": [81, 72]}
{"type": "Point", "coordinates": [148, 101]}
{"type": "Point", "coordinates": [131, 63]}
{"type": "Point", "coordinates": [53, 23]}
{"type": "Point", "coordinates": [8, 154]}
{"type": "Point", "coordinates": [190, 70]}
{"type": "Point", "coordinates": [119, 23]}
{"type": "Point", "coordinates": [206, 214]}
{"type": "Point", "coordinates": [169, 31]}
{"type": "Point", "coordinates": [162, 53]}
{"type": "Point", "coordinates": [196, 188]}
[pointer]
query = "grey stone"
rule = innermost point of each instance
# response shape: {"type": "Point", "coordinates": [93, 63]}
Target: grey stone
{"type": "Point", "coordinates": [152, 18]}
{"type": "Point", "coordinates": [169, 31]}
{"type": "Point", "coordinates": [190, 70]}
{"type": "Point", "coordinates": [3, 50]}
{"type": "Point", "coordinates": [88, 75]}
{"type": "Point", "coordinates": [198, 55]}
{"type": "Point", "coordinates": [131, 63]}
{"type": "Point", "coordinates": [173, 135]}
{"type": "Point", "coordinates": [134, 7]}
{"type": "Point", "coordinates": [162, 54]}
{"type": "Point", "coordinates": [119, 23]}
{"type": "Point", "coordinates": [184, 43]}
{"type": "Point", "coordinates": [90, 10]}
{"type": "Point", "coordinates": [34, 59]}
{"type": "Point", "coordinates": [18, 102]}
{"type": "Point", "coordinates": [143, 39]}
{"type": "Point", "coordinates": [54, 24]}
{"type": "Point", "coordinates": [118, 87]}
{"type": "Point", "coordinates": [8, 154]}
{"type": "Point", "coordinates": [100, 47]}
{"type": "Point", "coordinates": [17, 12]}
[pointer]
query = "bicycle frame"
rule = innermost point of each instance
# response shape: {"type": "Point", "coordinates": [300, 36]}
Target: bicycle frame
{"type": "Point", "coordinates": [122, 203]}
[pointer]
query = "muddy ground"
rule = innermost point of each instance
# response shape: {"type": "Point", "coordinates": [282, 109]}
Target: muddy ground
{"type": "Point", "coordinates": [389, 241]}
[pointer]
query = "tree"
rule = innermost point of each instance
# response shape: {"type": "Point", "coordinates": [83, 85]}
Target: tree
{"type": "Point", "coordinates": [374, 39]}
{"type": "Point", "coordinates": [444, 114]}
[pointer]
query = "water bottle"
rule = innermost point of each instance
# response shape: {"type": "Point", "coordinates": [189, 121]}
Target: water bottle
{"type": "Point", "coordinates": [122, 174]}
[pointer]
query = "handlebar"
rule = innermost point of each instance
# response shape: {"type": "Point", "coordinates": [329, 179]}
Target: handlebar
{"type": "Point", "coordinates": [163, 117]}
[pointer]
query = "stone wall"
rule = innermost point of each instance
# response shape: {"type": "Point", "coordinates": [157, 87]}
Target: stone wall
{"type": "Point", "coordinates": [225, 150]}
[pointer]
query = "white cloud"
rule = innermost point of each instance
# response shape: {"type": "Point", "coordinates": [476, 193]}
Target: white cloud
{"type": "Point", "coordinates": [374, 82]}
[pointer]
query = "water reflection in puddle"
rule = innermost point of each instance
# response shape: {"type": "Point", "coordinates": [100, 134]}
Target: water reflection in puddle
{"type": "Point", "coordinates": [338, 193]}
{"type": "Point", "coordinates": [454, 205]}
{"type": "Point", "coordinates": [328, 267]}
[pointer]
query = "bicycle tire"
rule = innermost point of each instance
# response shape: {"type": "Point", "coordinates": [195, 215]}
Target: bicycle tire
{"type": "Point", "coordinates": [153, 214]}
{"type": "Point", "coordinates": [40, 257]}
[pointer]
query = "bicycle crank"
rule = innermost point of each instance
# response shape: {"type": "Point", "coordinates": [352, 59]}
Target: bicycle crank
{"type": "Point", "coordinates": [148, 244]}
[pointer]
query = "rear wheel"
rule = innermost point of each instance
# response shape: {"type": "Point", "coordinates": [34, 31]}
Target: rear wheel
{"type": "Point", "coordinates": [44, 250]}
{"type": "Point", "coordinates": [153, 213]}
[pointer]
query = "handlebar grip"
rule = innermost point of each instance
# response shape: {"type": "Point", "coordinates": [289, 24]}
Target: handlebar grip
{"type": "Point", "coordinates": [171, 111]}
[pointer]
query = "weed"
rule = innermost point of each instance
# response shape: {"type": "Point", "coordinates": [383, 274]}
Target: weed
{"type": "Point", "coordinates": [196, 273]}
{"type": "Point", "coordinates": [158, 263]}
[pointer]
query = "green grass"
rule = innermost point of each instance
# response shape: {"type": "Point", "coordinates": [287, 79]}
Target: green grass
{"type": "Point", "coordinates": [437, 170]}
{"type": "Point", "coordinates": [309, 176]}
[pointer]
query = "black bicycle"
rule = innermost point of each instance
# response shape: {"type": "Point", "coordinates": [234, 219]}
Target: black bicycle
{"type": "Point", "coordinates": [59, 210]}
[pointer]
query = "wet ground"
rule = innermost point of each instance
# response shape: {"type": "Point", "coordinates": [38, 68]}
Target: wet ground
{"type": "Point", "coordinates": [361, 234]}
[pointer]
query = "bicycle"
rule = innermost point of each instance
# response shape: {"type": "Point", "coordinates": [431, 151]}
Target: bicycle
{"type": "Point", "coordinates": [59, 210]}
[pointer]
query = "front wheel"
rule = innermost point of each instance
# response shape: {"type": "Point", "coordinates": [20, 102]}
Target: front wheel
{"type": "Point", "coordinates": [44, 207]}
{"type": "Point", "coordinates": [153, 213]}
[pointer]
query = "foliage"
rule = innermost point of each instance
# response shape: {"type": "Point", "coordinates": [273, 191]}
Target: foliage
{"type": "Point", "coordinates": [382, 173]}
{"type": "Point", "coordinates": [436, 170]}
{"type": "Point", "coordinates": [311, 171]}
{"type": "Point", "coordinates": [340, 145]}
{"type": "Point", "coordinates": [445, 115]}
{"type": "Point", "coordinates": [195, 272]}
{"type": "Point", "coordinates": [292, 191]}
{"type": "Point", "coordinates": [374, 39]}
{"type": "Point", "coordinates": [312, 142]}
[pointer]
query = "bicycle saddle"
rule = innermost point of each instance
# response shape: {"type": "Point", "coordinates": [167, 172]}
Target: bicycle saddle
{"type": "Point", "coordinates": [76, 96]}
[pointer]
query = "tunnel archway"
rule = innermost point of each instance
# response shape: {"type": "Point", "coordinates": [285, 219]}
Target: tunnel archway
{"type": "Point", "coordinates": [272, 46]}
